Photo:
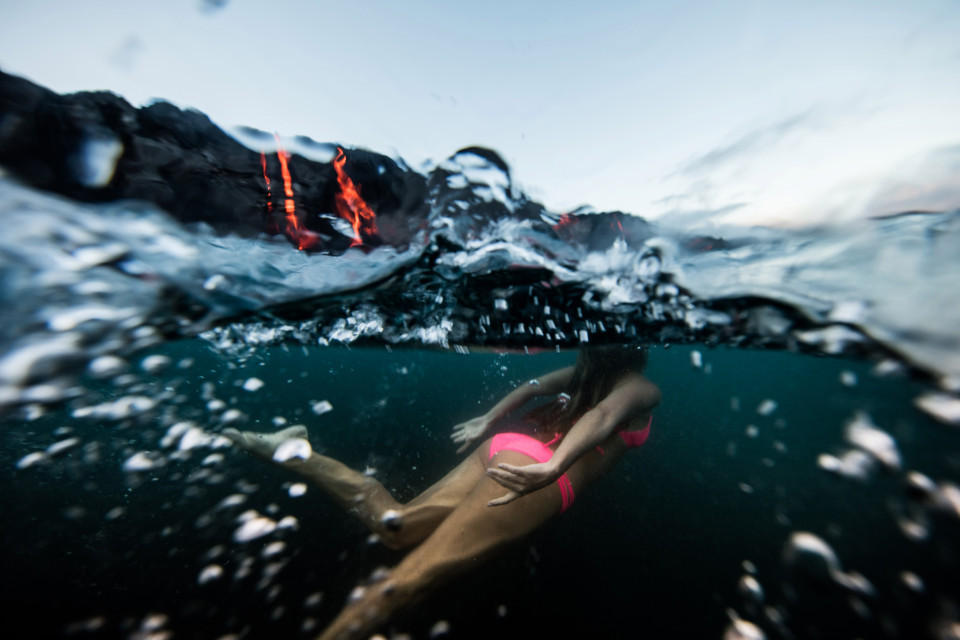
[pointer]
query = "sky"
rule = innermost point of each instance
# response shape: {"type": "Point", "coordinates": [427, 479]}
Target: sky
{"type": "Point", "coordinates": [688, 112]}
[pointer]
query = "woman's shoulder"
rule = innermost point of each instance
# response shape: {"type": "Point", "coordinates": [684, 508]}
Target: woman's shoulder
{"type": "Point", "coordinates": [644, 397]}
{"type": "Point", "coordinates": [643, 389]}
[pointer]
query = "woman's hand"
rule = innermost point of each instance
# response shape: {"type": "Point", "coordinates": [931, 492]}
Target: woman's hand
{"type": "Point", "coordinates": [521, 480]}
{"type": "Point", "coordinates": [467, 433]}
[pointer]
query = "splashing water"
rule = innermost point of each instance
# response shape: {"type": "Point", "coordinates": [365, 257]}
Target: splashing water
{"type": "Point", "coordinates": [107, 280]}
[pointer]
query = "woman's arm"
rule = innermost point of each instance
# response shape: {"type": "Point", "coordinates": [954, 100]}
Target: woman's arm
{"type": "Point", "coordinates": [552, 383]}
{"type": "Point", "coordinates": [546, 385]}
{"type": "Point", "coordinates": [624, 403]}
{"type": "Point", "coordinates": [627, 401]}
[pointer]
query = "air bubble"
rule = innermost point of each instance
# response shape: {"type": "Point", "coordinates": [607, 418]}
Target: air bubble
{"type": "Point", "coordinates": [886, 368]}
{"type": "Point", "coordinates": [253, 528]}
{"type": "Point", "coordinates": [809, 553]}
{"type": "Point", "coordinates": [943, 407]}
{"type": "Point", "coordinates": [297, 489]}
{"type": "Point", "coordinates": [298, 448]}
{"type": "Point", "coordinates": [31, 459]}
{"type": "Point", "coordinates": [861, 432]}
{"type": "Point", "coordinates": [912, 581]}
{"type": "Point", "coordinates": [62, 446]}
{"type": "Point", "coordinates": [232, 415]}
{"type": "Point", "coordinates": [143, 461]}
{"type": "Point", "coordinates": [767, 407]}
{"type": "Point", "coordinates": [215, 281]}
{"type": "Point", "coordinates": [439, 629]}
{"type": "Point", "coordinates": [848, 378]}
{"type": "Point", "coordinates": [740, 629]}
{"type": "Point", "coordinates": [232, 501]}
{"type": "Point", "coordinates": [107, 366]}
{"type": "Point", "coordinates": [750, 588]}
{"type": "Point", "coordinates": [210, 573]}
{"type": "Point", "coordinates": [253, 384]}
{"type": "Point", "coordinates": [357, 594]}
{"type": "Point", "coordinates": [391, 520]}
{"type": "Point", "coordinates": [155, 363]}
{"type": "Point", "coordinates": [853, 464]}
{"type": "Point", "coordinates": [913, 521]}
{"type": "Point", "coordinates": [125, 407]}
{"type": "Point", "coordinates": [321, 407]}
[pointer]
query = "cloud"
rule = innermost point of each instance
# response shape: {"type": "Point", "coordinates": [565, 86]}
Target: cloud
{"type": "Point", "coordinates": [692, 218]}
{"type": "Point", "coordinates": [749, 143]}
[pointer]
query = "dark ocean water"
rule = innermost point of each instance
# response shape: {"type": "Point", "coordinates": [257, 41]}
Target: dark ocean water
{"type": "Point", "coordinates": [657, 548]}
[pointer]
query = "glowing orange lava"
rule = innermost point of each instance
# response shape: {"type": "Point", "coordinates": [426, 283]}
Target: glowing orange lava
{"type": "Point", "coordinates": [350, 206]}
{"type": "Point", "coordinates": [289, 205]}
{"type": "Point", "coordinates": [266, 180]}
{"type": "Point", "coordinates": [303, 237]}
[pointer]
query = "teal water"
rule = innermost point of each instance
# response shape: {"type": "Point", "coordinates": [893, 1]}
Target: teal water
{"type": "Point", "coordinates": [656, 547]}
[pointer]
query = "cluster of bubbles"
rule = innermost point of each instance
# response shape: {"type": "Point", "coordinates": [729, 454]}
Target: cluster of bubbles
{"type": "Point", "coordinates": [806, 558]}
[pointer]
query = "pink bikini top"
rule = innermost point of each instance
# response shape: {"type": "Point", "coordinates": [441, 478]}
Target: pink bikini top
{"type": "Point", "coordinates": [630, 438]}
{"type": "Point", "coordinates": [636, 438]}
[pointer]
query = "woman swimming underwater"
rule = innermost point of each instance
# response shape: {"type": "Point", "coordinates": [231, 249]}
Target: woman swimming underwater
{"type": "Point", "coordinates": [505, 488]}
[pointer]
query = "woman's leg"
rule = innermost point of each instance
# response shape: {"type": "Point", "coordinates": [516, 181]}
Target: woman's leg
{"type": "Point", "coordinates": [464, 539]}
{"type": "Point", "coordinates": [398, 525]}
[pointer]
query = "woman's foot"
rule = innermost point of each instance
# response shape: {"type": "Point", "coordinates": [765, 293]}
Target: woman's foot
{"type": "Point", "coordinates": [265, 444]}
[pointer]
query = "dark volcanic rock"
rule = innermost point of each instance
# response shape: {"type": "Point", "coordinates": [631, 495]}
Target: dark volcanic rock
{"type": "Point", "coordinates": [96, 147]}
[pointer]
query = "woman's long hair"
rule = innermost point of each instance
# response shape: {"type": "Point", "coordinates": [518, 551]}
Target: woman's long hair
{"type": "Point", "coordinates": [597, 370]}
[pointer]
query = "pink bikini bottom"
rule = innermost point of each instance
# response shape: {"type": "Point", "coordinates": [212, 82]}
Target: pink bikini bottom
{"type": "Point", "coordinates": [538, 451]}
{"type": "Point", "coordinates": [521, 443]}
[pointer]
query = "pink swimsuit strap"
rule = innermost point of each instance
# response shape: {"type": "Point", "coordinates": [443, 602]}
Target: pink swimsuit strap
{"type": "Point", "coordinates": [537, 450]}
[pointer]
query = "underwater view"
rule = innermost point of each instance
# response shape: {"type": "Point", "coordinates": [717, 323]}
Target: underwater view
{"type": "Point", "coordinates": [254, 385]}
